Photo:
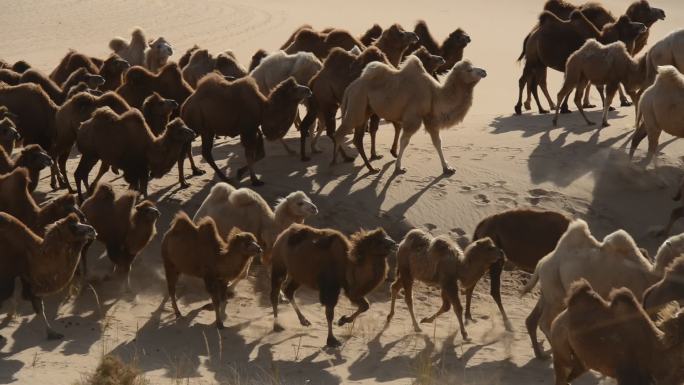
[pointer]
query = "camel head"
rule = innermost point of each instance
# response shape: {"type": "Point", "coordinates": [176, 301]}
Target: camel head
{"type": "Point", "coordinates": [159, 106]}
{"type": "Point", "coordinates": [456, 40]}
{"type": "Point", "coordinates": [72, 231]}
{"type": "Point", "coordinates": [399, 37]}
{"type": "Point", "coordinates": [628, 30]}
{"type": "Point", "coordinates": [35, 158]}
{"type": "Point", "coordinates": [94, 81]}
{"type": "Point", "coordinates": [243, 243]}
{"type": "Point", "coordinates": [430, 62]}
{"type": "Point", "coordinates": [162, 48]}
{"type": "Point", "coordinates": [641, 11]}
{"type": "Point", "coordinates": [258, 56]}
{"type": "Point", "coordinates": [485, 250]}
{"type": "Point", "coordinates": [298, 205]}
{"type": "Point", "coordinates": [179, 131]}
{"type": "Point", "coordinates": [291, 90]}
{"type": "Point", "coordinates": [148, 212]}
{"type": "Point", "coordinates": [468, 74]}
{"type": "Point", "coordinates": [116, 63]}
{"type": "Point", "coordinates": [8, 131]}
{"type": "Point", "coordinates": [66, 204]}
{"type": "Point", "coordinates": [374, 244]}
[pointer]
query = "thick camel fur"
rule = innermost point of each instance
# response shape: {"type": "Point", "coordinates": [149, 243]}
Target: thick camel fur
{"type": "Point", "coordinates": [68, 119]}
{"type": "Point", "coordinates": [198, 250]}
{"type": "Point", "coordinates": [438, 261]}
{"type": "Point", "coordinates": [328, 86]}
{"type": "Point", "coordinates": [327, 261]}
{"type": "Point", "coordinates": [201, 62]}
{"type": "Point", "coordinates": [660, 109]}
{"type": "Point", "coordinates": [157, 54]}
{"type": "Point", "coordinates": [616, 338]}
{"type": "Point", "coordinates": [394, 41]}
{"type": "Point", "coordinates": [134, 51]}
{"type": "Point", "coordinates": [371, 35]}
{"type": "Point", "coordinates": [8, 130]}
{"type": "Point", "coordinates": [321, 43]}
{"type": "Point", "coordinates": [45, 265]}
{"type": "Point", "coordinates": [206, 114]}
{"type": "Point", "coordinates": [615, 262]}
{"type": "Point", "coordinates": [451, 48]}
{"type": "Point", "coordinates": [31, 157]}
{"type": "Point", "coordinates": [126, 142]}
{"type": "Point", "coordinates": [417, 98]}
{"type": "Point", "coordinates": [140, 83]}
{"type": "Point", "coordinates": [57, 93]}
{"type": "Point", "coordinates": [157, 112]}
{"type": "Point", "coordinates": [667, 51]}
{"type": "Point", "coordinates": [35, 112]}
{"type": "Point", "coordinates": [525, 235]}
{"type": "Point", "coordinates": [124, 226]}
{"type": "Point", "coordinates": [245, 209]}
{"type": "Point", "coordinates": [609, 65]}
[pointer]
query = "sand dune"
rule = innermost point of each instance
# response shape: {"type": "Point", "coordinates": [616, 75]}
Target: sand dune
{"type": "Point", "coordinates": [502, 161]}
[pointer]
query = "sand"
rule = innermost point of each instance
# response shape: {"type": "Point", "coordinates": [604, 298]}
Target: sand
{"type": "Point", "coordinates": [502, 161]}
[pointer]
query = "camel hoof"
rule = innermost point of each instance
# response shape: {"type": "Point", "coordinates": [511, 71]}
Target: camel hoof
{"type": "Point", "coordinates": [625, 103]}
{"type": "Point", "coordinates": [178, 315]}
{"type": "Point", "coordinates": [198, 172]}
{"type": "Point", "coordinates": [372, 170]}
{"type": "Point", "coordinates": [466, 337]}
{"type": "Point", "coordinates": [518, 110]}
{"type": "Point", "coordinates": [208, 307]}
{"type": "Point", "coordinates": [342, 321]}
{"type": "Point", "coordinates": [611, 108]}
{"type": "Point", "coordinates": [305, 322]}
{"type": "Point", "coordinates": [542, 111]}
{"type": "Point", "coordinates": [333, 342]}
{"type": "Point", "coordinates": [417, 329]}
{"type": "Point", "coordinates": [590, 123]}
{"type": "Point", "coordinates": [257, 183]}
{"type": "Point", "coordinates": [375, 157]}
{"type": "Point", "coordinates": [400, 171]}
{"type": "Point", "coordinates": [277, 328]}
{"type": "Point", "coordinates": [605, 124]}
{"type": "Point", "coordinates": [566, 111]}
{"type": "Point", "coordinates": [394, 153]}
{"type": "Point", "coordinates": [219, 325]}
{"type": "Point", "coordinates": [184, 185]}
{"type": "Point", "coordinates": [589, 105]}
{"type": "Point", "coordinates": [53, 335]}
{"type": "Point", "coordinates": [449, 171]}
{"type": "Point", "coordinates": [426, 321]}
{"type": "Point", "coordinates": [528, 106]}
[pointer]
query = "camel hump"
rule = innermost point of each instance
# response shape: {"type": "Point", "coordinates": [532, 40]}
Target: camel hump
{"type": "Point", "coordinates": [104, 191]}
{"type": "Point", "coordinates": [138, 35]}
{"type": "Point", "coordinates": [621, 242]}
{"type": "Point", "coordinates": [117, 44]}
{"type": "Point", "coordinates": [137, 74]}
{"type": "Point", "coordinates": [577, 236]}
{"type": "Point", "coordinates": [670, 74]}
{"type": "Point", "coordinates": [417, 239]}
{"type": "Point", "coordinates": [548, 17]}
{"type": "Point", "coordinates": [105, 113]}
{"type": "Point", "coordinates": [244, 197]}
{"type": "Point", "coordinates": [374, 70]}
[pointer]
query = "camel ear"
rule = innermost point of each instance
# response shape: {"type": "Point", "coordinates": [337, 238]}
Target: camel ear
{"type": "Point", "coordinates": [624, 19]}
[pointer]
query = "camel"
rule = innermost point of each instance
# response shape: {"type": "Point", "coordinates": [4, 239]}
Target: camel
{"type": "Point", "coordinates": [205, 113]}
{"type": "Point", "coordinates": [44, 265]}
{"type": "Point", "coordinates": [616, 338]}
{"type": "Point", "coordinates": [416, 98]}
{"type": "Point", "coordinates": [133, 52]}
{"type": "Point", "coordinates": [201, 62]}
{"type": "Point", "coordinates": [667, 51]}
{"type": "Point", "coordinates": [451, 48]}
{"type": "Point", "coordinates": [198, 250]}
{"type": "Point", "coordinates": [31, 157]}
{"type": "Point", "coordinates": [371, 35]}
{"type": "Point", "coordinates": [321, 43]}
{"type": "Point", "coordinates": [327, 261]}
{"type": "Point", "coordinates": [659, 110]}
{"type": "Point", "coordinates": [157, 54]}
{"type": "Point", "coordinates": [599, 64]}
{"type": "Point", "coordinates": [438, 261]}
{"type": "Point", "coordinates": [8, 130]}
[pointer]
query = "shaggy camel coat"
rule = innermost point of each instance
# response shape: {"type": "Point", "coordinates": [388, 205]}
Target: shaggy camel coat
{"type": "Point", "coordinates": [68, 119]}
{"type": "Point", "coordinates": [140, 83]}
{"type": "Point", "coordinates": [35, 112]}
{"type": "Point", "coordinates": [669, 288]}
{"type": "Point", "coordinates": [417, 99]}
{"type": "Point", "coordinates": [440, 262]}
{"type": "Point", "coordinates": [126, 142]}
{"type": "Point", "coordinates": [199, 251]}
{"type": "Point", "coordinates": [206, 114]}
{"type": "Point", "coordinates": [16, 200]}
{"type": "Point", "coordinates": [31, 157]}
{"type": "Point", "coordinates": [8, 130]}
{"type": "Point", "coordinates": [660, 109]}
{"type": "Point", "coordinates": [451, 49]}
{"type": "Point", "coordinates": [613, 263]}
{"type": "Point", "coordinates": [525, 235]}
{"type": "Point", "coordinates": [321, 43]}
{"type": "Point", "coordinates": [44, 265]}
{"type": "Point", "coordinates": [201, 62]}
{"type": "Point", "coordinates": [327, 261]}
{"type": "Point", "coordinates": [157, 112]}
{"type": "Point", "coordinates": [667, 51]}
{"type": "Point", "coordinates": [599, 64]}
{"type": "Point", "coordinates": [616, 338]}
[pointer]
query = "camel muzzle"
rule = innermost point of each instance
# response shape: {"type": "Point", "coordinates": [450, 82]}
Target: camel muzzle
{"type": "Point", "coordinates": [172, 104]}
{"type": "Point", "coordinates": [412, 37]}
{"type": "Point", "coordinates": [660, 13]}
{"type": "Point", "coordinates": [95, 81]}
{"type": "Point", "coordinates": [86, 231]}
{"type": "Point", "coordinates": [482, 73]}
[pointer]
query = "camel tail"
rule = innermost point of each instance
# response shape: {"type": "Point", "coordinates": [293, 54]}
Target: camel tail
{"type": "Point", "coordinates": [522, 54]}
{"type": "Point", "coordinates": [531, 283]}
{"type": "Point", "coordinates": [117, 44]}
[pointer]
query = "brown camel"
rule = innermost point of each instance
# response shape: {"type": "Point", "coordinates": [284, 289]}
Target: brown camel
{"type": "Point", "coordinates": [206, 114]}
{"type": "Point", "coordinates": [451, 49]}
{"type": "Point", "coordinates": [321, 43]}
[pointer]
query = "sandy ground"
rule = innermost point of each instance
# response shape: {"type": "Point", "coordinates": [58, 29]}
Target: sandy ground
{"type": "Point", "coordinates": [502, 161]}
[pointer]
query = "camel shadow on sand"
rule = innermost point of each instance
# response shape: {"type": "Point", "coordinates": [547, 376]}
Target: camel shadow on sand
{"type": "Point", "coordinates": [530, 124]}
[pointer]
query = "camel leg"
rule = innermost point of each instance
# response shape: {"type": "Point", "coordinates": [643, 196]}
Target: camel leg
{"type": "Point", "coordinates": [561, 100]}
{"type": "Point", "coordinates": [61, 161]}
{"type": "Point", "coordinates": [611, 89]}
{"type": "Point", "coordinates": [373, 130]}
{"type": "Point", "coordinates": [522, 82]}
{"type": "Point", "coordinates": [495, 290]}
{"type": "Point", "coordinates": [535, 93]}
{"type": "Point", "coordinates": [581, 86]}
{"type": "Point", "coordinates": [358, 143]}
{"type": "Point", "coordinates": [408, 131]}
{"type": "Point", "coordinates": [394, 292]}
{"type": "Point", "coordinates": [207, 146]}
{"type": "Point", "coordinates": [290, 287]}
{"type": "Point", "coordinates": [54, 176]}
{"type": "Point", "coordinates": [624, 102]}
{"type": "Point", "coordinates": [469, 297]}
{"type": "Point", "coordinates": [320, 127]}
{"type": "Point", "coordinates": [278, 273]}
{"type": "Point", "coordinates": [214, 287]}
{"type": "Point", "coordinates": [452, 293]}
{"type": "Point", "coordinates": [362, 306]}
{"type": "Point", "coordinates": [532, 322]}
{"type": "Point", "coordinates": [196, 171]}
{"type": "Point", "coordinates": [337, 138]}
{"type": "Point", "coordinates": [329, 292]}
{"type": "Point", "coordinates": [181, 175]}
{"type": "Point", "coordinates": [395, 141]}
{"type": "Point", "coordinates": [674, 216]}
{"type": "Point", "coordinates": [287, 147]}
{"type": "Point", "coordinates": [407, 284]}
{"type": "Point", "coordinates": [446, 306]}
{"type": "Point", "coordinates": [81, 174]}
{"type": "Point", "coordinates": [40, 311]}
{"type": "Point", "coordinates": [587, 93]}
{"type": "Point", "coordinates": [437, 143]}
{"type": "Point", "coordinates": [541, 76]}
{"type": "Point", "coordinates": [653, 138]}
{"type": "Point", "coordinates": [639, 135]}
{"type": "Point", "coordinates": [104, 167]}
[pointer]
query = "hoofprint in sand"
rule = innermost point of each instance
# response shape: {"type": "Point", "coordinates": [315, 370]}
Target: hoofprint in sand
{"type": "Point", "coordinates": [501, 161]}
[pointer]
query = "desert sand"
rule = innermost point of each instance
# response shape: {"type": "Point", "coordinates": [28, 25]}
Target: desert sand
{"type": "Point", "coordinates": [502, 161]}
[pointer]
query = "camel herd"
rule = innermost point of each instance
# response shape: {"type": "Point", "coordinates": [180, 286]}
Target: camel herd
{"type": "Point", "coordinates": [137, 113]}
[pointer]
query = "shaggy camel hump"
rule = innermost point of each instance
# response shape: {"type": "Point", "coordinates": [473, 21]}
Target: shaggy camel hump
{"type": "Point", "coordinates": [621, 242]}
